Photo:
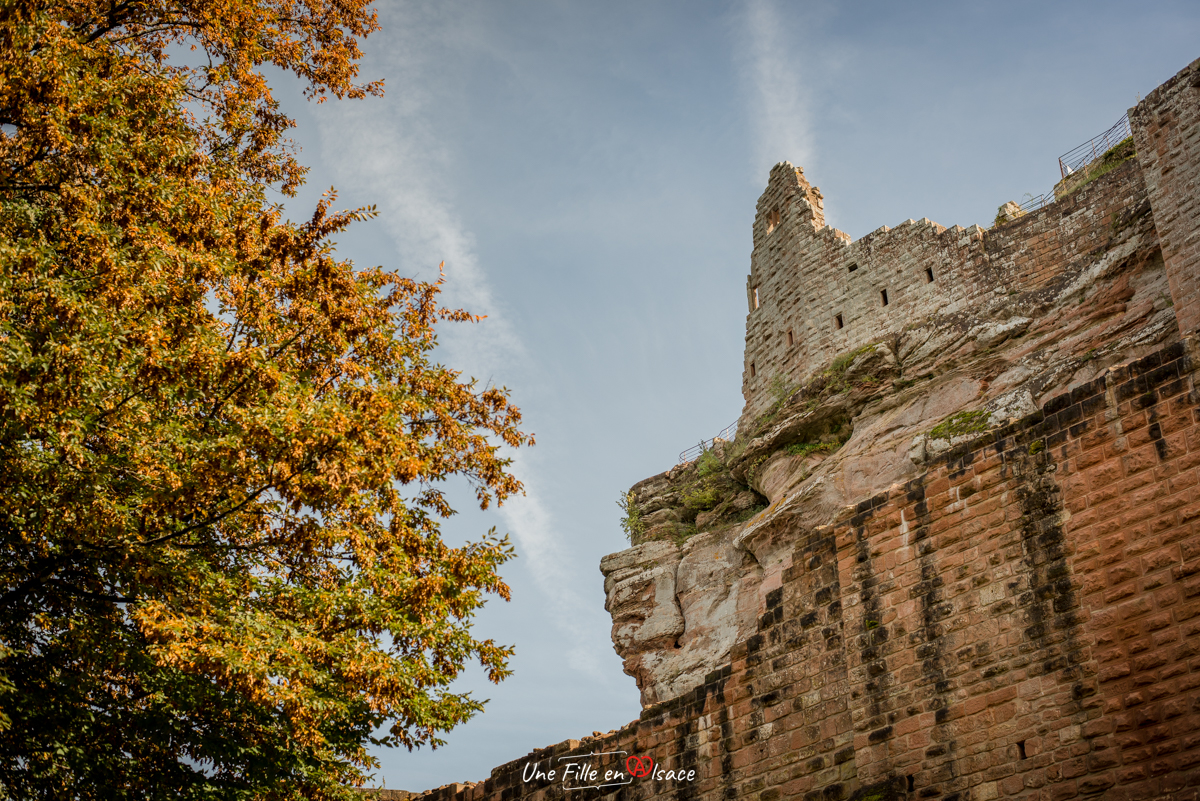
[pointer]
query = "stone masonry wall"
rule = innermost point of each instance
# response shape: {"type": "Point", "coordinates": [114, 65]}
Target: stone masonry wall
{"type": "Point", "coordinates": [1021, 621]}
{"type": "Point", "coordinates": [1166, 130]}
{"type": "Point", "coordinates": [814, 294]}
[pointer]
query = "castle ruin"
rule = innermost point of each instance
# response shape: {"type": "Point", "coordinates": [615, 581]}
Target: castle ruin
{"type": "Point", "coordinates": [954, 551]}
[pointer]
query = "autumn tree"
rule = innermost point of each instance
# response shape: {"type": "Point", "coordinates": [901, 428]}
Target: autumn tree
{"type": "Point", "coordinates": [220, 446]}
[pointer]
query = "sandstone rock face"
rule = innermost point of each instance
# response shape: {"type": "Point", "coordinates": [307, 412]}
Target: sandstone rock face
{"type": "Point", "coordinates": [640, 588]}
{"type": "Point", "coordinates": [652, 590]}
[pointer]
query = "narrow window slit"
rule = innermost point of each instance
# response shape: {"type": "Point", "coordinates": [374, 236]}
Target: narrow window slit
{"type": "Point", "coordinates": [791, 340]}
{"type": "Point", "coordinates": [911, 782]}
{"type": "Point", "coordinates": [1021, 748]}
{"type": "Point", "coordinates": [756, 303]}
{"type": "Point", "coordinates": [883, 296]}
{"type": "Point", "coordinates": [929, 275]}
{"type": "Point", "coordinates": [753, 372]}
{"type": "Point", "coordinates": [837, 319]}
{"type": "Point", "coordinates": [853, 267]}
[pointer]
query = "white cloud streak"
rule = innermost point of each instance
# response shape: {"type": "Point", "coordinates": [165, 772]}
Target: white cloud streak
{"type": "Point", "coordinates": [392, 153]}
{"type": "Point", "coordinates": [770, 65]}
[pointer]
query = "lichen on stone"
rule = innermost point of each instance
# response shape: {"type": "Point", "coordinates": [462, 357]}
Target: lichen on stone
{"type": "Point", "coordinates": [961, 424]}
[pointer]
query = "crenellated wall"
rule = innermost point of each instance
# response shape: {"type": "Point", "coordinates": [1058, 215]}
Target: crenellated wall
{"type": "Point", "coordinates": [813, 293]}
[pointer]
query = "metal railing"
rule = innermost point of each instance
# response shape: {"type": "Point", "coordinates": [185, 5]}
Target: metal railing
{"type": "Point", "coordinates": [1079, 157]}
{"type": "Point", "coordinates": [727, 433]}
{"type": "Point", "coordinates": [1095, 147]}
{"type": "Point", "coordinates": [1036, 202]}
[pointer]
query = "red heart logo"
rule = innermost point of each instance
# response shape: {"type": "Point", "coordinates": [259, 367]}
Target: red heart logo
{"type": "Point", "coordinates": [639, 766]}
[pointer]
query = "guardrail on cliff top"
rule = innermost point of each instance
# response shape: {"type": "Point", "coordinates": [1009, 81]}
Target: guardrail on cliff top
{"type": "Point", "coordinates": [1095, 147]}
{"type": "Point", "coordinates": [1078, 157]}
{"type": "Point", "coordinates": [727, 433]}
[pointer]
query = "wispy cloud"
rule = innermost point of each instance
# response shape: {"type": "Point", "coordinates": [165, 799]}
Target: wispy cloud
{"type": "Point", "coordinates": [554, 573]}
{"type": "Point", "coordinates": [780, 99]}
{"type": "Point", "coordinates": [394, 153]}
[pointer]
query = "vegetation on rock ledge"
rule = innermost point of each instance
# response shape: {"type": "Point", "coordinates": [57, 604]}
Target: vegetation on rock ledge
{"type": "Point", "coordinates": [1112, 158]}
{"type": "Point", "coordinates": [631, 521]}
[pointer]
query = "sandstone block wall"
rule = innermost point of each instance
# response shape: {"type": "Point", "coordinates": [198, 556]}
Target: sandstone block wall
{"type": "Point", "coordinates": [819, 295]}
{"type": "Point", "coordinates": [1166, 131]}
{"type": "Point", "coordinates": [1021, 621]}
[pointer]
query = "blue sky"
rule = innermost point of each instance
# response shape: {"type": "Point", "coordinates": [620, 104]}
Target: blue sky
{"type": "Point", "coordinates": [589, 171]}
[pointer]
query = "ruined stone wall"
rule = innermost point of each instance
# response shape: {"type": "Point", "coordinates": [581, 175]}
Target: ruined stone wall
{"type": "Point", "coordinates": [814, 294]}
{"type": "Point", "coordinates": [1021, 621]}
{"type": "Point", "coordinates": [1166, 130]}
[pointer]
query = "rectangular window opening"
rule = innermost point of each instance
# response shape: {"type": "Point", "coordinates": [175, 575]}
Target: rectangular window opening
{"type": "Point", "coordinates": [756, 304]}
{"type": "Point", "coordinates": [753, 372]}
{"type": "Point", "coordinates": [1021, 748]}
{"type": "Point", "coordinates": [853, 267]}
{"type": "Point", "coordinates": [883, 296]}
{"type": "Point", "coordinates": [929, 275]}
{"type": "Point", "coordinates": [773, 220]}
{"type": "Point", "coordinates": [837, 319]}
{"type": "Point", "coordinates": [791, 340]}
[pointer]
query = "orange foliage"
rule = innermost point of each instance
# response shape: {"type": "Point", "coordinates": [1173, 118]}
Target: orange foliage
{"type": "Point", "coordinates": [220, 446]}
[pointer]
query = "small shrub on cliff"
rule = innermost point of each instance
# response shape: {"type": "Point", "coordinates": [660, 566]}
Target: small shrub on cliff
{"type": "Point", "coordinates": [631, 522]}
{"type": "Point", "coordinates": [833, 378]}
{"type": "Point", "coordinates": [679, 533]}
{"type": "Point", "coordinates": [841, 362]}
{"type": "Point", "coordinates": [805, 448]}
{"type": "Point", "coordinates": [781, 389]}
{"type": "Point", "coordinates": [701, 498]}
{"type": "Point", "coordinates": [708, 464]}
